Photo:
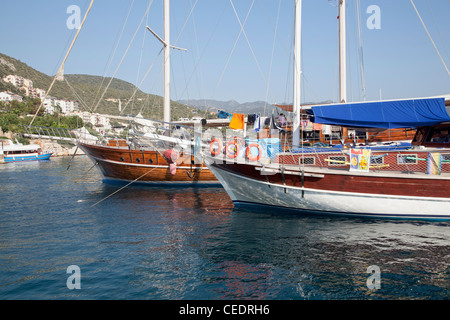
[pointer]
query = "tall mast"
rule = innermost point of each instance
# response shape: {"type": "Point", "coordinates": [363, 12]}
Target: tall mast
{"type": "Point", "coordinates": [342, 61]}
{"type": "Point", "coordinates": [167, 47]}
{"type": "Point", "coordinates": [167, 61]}
{"type": "Point", "coordinates": [297, 73]}
{"type": "Point", "coordinates": [342, 53]}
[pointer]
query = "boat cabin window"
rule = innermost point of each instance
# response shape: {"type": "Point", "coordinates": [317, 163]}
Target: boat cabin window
{"type": "Point", "coordinates": [337, 161]}
{"type": "Point", "coordinates": [377, 160]}
{"type": "Point", "coordinates": [438, 135]}
{"type": "Point", "coordinates": [446, 157]}
{"type": "Point", "coordinates": [435, 136]}
{"type": "Point", "coordinates": [19, 152]}
{"type": "Point", "coordinates": [418, 138]}
{"type": "Point", "coordinates": [307, 160]}
{"type": "Point", "coordinates": [407, 159]}
{"type": "Point", "coordinates": [361, 135]}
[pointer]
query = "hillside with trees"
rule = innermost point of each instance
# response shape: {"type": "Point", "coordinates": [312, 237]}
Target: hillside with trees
{"type": "Point", "coordinates": [15, 115]}
{"type": "Point", "coordinates": [87, 90]}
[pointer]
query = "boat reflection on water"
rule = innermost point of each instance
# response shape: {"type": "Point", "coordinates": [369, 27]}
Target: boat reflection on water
{"type": "Point", "coordinates": [173, 200]}
{"type": "Point", "coordinates": [241, 280]}
{"type": "Point", "coordinates": [192, 243]}
{"type": "Point", "coordinates": [205, 200]}
{"type": "Point", "coordinates": [267, 256]}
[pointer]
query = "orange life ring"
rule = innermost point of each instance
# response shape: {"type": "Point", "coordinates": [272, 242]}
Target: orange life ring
{"type": "Point", "coordinates": [236, 147]}
{"type": "Point", "coordinates": [211, 147]}
{"type": "Point", "coordinates": [248, 153]}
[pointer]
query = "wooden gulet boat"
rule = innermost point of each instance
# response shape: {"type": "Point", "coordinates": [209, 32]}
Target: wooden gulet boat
{"type": "Point", "coordinates": [119, 160]}
{"type": "Point", "coordinates": [126, 163]}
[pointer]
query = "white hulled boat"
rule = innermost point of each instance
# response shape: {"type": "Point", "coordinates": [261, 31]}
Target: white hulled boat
{"type": "Point", "coordinates": [355, 181]}
{"type": "Point", "coordinates": [13, 152]}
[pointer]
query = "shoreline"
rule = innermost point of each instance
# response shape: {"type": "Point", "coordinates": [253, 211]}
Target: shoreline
{"type": "Point", "coordinates": [66, 149]}
{"type": "Point", "coordinates": [57, 149]}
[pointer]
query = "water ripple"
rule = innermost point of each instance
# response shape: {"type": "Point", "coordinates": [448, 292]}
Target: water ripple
{"type": "Point", "coordinates": [191, 243]}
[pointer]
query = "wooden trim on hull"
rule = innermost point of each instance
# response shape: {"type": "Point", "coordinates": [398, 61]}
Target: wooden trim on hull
{"type": "Point", "coordinates": [125, 171]}
{"type": "Point", "coordinates": [354, 183]}
{"type": "Point", "coordinates": [145, 165]}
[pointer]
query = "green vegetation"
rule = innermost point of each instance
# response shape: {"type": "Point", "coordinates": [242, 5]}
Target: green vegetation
{"type": "Point", "coordinates": [90, 129]}
{"type": "Point", "coordinates": [14, 115]}
{"type": "Point", "coordinates": [23, 140]}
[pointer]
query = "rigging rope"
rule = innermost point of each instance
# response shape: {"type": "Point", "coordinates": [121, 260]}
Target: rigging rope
{"type": "Point", "coordinates": [123, 57]}
{"type": "Point", "coordinates": [143, 79]}
{"type": "Point", "coordinates": [185, 22]}
{"type": "Point", "coordinates": [273, 51]}
{"type": "Point", "coordinates": [123, 187]}
{"type": "Point", "coordinates": [140, 63]}
{"type": "Point", "coordinates": [235, 43]}
{"type": "Point", "coordinates": [77, 96]}
{"type": "Point", "coordinates": [197, 64]}
{"type": "Point", "coordinates": [251, 49]}
{"type": "Point", "coordinates": [429, 36]}
{"type": "Point", "coordinates": [358, 15]}
{"type": "Point", "coordinates": [114, 52]}
{"type": "Point", "coordinates": [438, 32]}
{"type": "Point", "coordinates": [61, 68]}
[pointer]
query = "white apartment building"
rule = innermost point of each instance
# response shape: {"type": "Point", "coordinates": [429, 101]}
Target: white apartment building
{"type": "Point", "coordinates": [52, 105]}
{"type": "Point", "coordinates": [99, 122]}
{"type": "Point", "coordinates": [67, 106]}
{"type": "Point", "coordinates": [35, 93]}
{"type": "Point", "coordinates": [18, 81]}
{"type": "Point", "coordinates": [9, 96]}
{"type": "Point", "coordinates": [25, 85]}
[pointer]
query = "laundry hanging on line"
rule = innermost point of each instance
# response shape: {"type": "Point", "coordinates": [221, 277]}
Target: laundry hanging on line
{"type": "Point", "coordinates": [237, 121]}
{"type": "Point", "coordinates": [260, 122]}
{"type": "Point", "coordinates": [251, 118]}
{"type": "Point", "coordinates": [223, 114]}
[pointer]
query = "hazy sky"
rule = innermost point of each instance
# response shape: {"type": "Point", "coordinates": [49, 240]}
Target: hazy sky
{"type": "Point", "coordinates": [399, 58]}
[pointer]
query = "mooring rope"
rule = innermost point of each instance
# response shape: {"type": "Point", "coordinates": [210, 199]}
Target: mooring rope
{"type": "Point", "coordinates": [123, 187]}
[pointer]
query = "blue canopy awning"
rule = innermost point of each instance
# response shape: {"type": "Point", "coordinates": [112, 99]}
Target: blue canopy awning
{"type": "Point", "coordinates": [383, 114]}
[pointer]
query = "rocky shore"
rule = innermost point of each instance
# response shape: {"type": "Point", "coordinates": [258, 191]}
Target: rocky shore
{"type": "Point", "coordinates": [57, 149]}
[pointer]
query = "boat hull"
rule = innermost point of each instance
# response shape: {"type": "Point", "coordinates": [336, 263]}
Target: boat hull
{"type": "Point", "coordinates": [146, 166]}
{"type": "Point", "coordinates": [31, 157]}
{"type": "Point", "coordinates": [247, 186]}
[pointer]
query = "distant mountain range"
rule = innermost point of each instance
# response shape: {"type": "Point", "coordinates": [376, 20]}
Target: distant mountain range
{"type": "Point", "coordinates": [231, 106]}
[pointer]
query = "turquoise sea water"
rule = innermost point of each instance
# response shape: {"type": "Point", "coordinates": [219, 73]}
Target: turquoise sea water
{"type": "Point", "coordinates": [191, 243]}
